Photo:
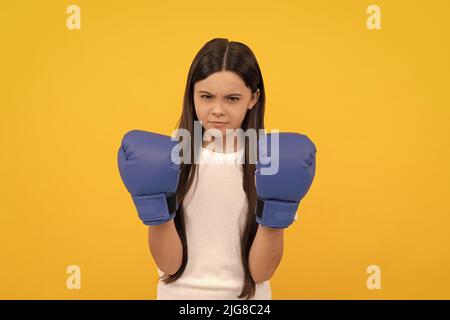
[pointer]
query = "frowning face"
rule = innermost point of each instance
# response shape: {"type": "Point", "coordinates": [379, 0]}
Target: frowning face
{"type": "Point", "coordinates": [222, 100]}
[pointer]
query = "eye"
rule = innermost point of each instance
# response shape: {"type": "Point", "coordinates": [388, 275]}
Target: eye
{"type": "Point", "coordinates": [236, 99]}
{"type": "Point", "coordinates": [204, 95]}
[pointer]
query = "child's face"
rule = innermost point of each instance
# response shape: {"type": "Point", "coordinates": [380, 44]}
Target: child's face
{"type": "Point", "coordinates": [223, 97]}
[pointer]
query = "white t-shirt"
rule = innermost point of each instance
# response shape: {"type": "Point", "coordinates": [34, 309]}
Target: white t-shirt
{"type": "Point", "coordinates": [214, 213]}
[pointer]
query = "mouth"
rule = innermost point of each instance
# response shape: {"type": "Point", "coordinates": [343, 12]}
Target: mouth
{"type": "Point", "coordinates": [217, 124]}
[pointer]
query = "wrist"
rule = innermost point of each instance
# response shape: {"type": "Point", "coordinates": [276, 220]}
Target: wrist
{"type": "Point", "coordinates": [275, 213]}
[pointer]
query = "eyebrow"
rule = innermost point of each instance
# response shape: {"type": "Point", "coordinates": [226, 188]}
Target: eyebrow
{"type": "Point", "coordinates": [230, 94]}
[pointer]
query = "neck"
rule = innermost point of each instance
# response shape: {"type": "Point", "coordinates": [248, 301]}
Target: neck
{"type": "Point", "coordinates": [220, 145]}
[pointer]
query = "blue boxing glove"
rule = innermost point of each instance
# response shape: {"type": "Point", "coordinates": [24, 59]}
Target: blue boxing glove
{"type": "Point", "coordinates": [285, 169]}
{"type": "Point", "coordinates": [150, 175]}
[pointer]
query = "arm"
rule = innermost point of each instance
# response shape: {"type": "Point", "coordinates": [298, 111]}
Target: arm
{"type": "Point", "coordinates": [165, 247]}
{"type": "Point", "coordinates": [266, 253]}
{"type": "Point", "coordinates": [279, 192]}
{"type": "Point", "coordinates": [145, 161]}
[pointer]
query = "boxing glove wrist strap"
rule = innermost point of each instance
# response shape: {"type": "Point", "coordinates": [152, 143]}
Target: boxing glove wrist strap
{"type": "Point", "coordinates": [274, 213]}
{"type": "Point", "coordinates": [156, 209]}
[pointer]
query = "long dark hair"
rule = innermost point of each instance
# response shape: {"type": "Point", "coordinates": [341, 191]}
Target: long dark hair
{"type": "Point", "coordinates": [222, 55]}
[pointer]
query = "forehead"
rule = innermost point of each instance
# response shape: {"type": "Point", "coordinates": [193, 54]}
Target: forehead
{"type": "Point", "coordinates": [222, 82]}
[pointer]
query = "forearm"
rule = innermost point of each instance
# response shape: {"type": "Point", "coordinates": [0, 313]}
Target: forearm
{"type": "Point", "coordinates": [266, 253]}
{"type": "Point", "coordinates": [165, 246]}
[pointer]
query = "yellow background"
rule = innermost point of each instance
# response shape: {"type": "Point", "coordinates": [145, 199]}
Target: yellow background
{"type": "Point", "coordinates": [375, 102]}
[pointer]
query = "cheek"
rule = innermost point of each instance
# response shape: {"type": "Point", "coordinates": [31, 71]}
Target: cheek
{"type": "Point", "coordinates": [200, 110]}
{"type": "Point", "coordinates": [238, 116]}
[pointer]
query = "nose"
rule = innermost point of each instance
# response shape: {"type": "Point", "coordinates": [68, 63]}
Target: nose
{"type": "Point", "coordinates": [218, 110]}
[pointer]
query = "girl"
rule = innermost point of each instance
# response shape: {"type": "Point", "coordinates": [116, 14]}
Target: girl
{"type": "Point", "coordinates": [211, 246]}
{"type": "Point", "coordinates": [224, 85]}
